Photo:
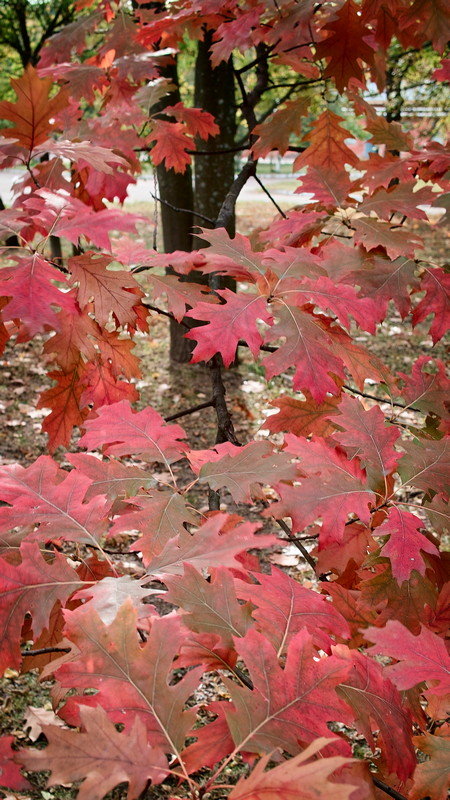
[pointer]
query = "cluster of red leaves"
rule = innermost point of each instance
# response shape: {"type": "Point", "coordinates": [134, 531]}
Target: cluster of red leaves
{"type": "Point", "coordinates": [305, 670]}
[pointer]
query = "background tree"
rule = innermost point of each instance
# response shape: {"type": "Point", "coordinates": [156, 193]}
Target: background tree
{"type": "Point", "coordinates": [25, 26]}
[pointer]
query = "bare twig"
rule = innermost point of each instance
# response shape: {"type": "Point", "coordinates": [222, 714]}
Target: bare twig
{"type": "Point", "coordinates": [182, 210]}
{"type": "Point", "coordinates": [272, 199]}
{"type": "Point", "coordinates": [388, 789]}
{"type": "Point", "coordinates": [164, 313]}
{"type": "Point", "coordinates": [223, 150]}
{"type": "Point", "coordinates": [191, 410]}
{"type": "Point", "coordinates": [378, 399]}
{"type": "Point", "coordinates": [225, 427]}
{"type": "Point", "coordinates": [284, 527]}
{"type": "Point", "coordinates": [43, 651]}
{"type": "Point", "coordinates": [227, 209]}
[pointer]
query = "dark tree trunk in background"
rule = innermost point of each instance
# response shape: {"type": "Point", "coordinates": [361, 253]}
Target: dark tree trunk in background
{"type": "Point", "coordinates": [175, 189]}
{"type": "Point", "coordinates": [214, 92]}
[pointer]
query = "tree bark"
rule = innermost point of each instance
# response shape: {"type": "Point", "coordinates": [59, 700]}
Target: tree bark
{"type": "Point", "coordinates": [214, 92]}
{"type": "Point", "coordinates": [175, 189]}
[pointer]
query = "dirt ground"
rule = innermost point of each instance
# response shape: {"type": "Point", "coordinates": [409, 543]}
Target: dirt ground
{"type": "Point", "coordinates": [170, 388]}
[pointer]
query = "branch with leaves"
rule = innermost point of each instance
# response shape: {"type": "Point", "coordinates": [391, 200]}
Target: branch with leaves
{"type": "Point", "coordinates": [345, 644]}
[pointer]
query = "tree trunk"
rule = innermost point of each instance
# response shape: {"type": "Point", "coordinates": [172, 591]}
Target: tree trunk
{"type": "Point", "coordinates": [214, 92]}
{"type": "Point", "coordinates": [175, 189]}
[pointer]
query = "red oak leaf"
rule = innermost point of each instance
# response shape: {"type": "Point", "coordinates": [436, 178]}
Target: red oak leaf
{"type": "Point", "coordinates": [109, 594]}
{"type": "Point", "coordinates": [384, 280]}
{"type": "Point", "coordinates": [405, 602]}
{"type": "Point", "coordinates": [275, 131]}
{"type": "Point", "coordinates": [405, 543]}
{"type": "Point", "coordinates": [420, 658]}
{"type": "Point", "coordinates": [427, 465]}
{"type": "Point", "coordinates": [45, 495]}
{"type": "Point", "coordinates": [75, 336]}
{"type": "Point", "coordinates": [308, 347]}
{"type": "Point", "coordinates": [100, 158]}
{"type": "Point", "coordinates": [10, 774]}
{"type": "Point", "coordinates": [284, 607]}
{"type": "Point", "coordinates": [436, 284]}
{"type": "Point", "coordinates": [294, 229]}
{"type": "Point", "coordinates": [346, 46]}
{"type": "Point", "coordinates": [198, 122]}
{"type": "Point", "coordinates": [171, 145]}
{"type": "Point", "coordinates": [337, 299]}
{"type": "Point", "coordinates": [103, 757]}
{"type": "Point", "coordinates": [216, 543]}
{"type": "Point", "coordinates": [231, 256]}
{"type": "Point", "coordinates": [243, 471]}
{"type": "Point", "coordinates": [101, 388]}
{"type": "Point", "coordinates": [209, 606]}
{"type": "Point", "coordinates": [381, 170]}
{"type": "Point", "coordinates": [328, 186]}
{"type": "Point", "coordinates": [227, 324]}
{"type": "Point", "coordinates": [64, 400]}
{"type": "Point", "coordinates": [116, 350]}
{"type": "Point", "coordinates": [340, 491]}
{"type": "Point", "coordinates": [431, 778]}
{"type": "Point", "coordinates": [158, 516]}
{"type": "Point", "coordinates": [427, 21]}
{"type": "Point", "coordinates": [119, 430]}
{"type": "Point", "coordinates": [180, 294]}
{"type": "Point", "coordinates": [383, 132]}
{"type": "Point", "coordinates": [34, 296]}
{"type": "Point", "coordinates": [372, 233]}
{"type": "Point", "coordinates": [111, 478]}
{"type": "Point", "coordinates": [106, 287]}
{"type": "Point", "coordinates": [33, 113]}
{"type": "Point", "coordinates": [287, 707]}
{"type": "Point", "coordinates": [366, 435]}
{"type": "Point", "coordinates": [327, 149]}
{"type": "Point", "coordinates": [377, 705]}
{"type": "Point", "coordinates": [213, 743]}
{"type": "Point", "coordinates": [355, 546]}
{"type": "Point", "coordinates": [302, 417]}
{"type": "Point", "coordinates": [137, 676]}
{"type": "Point", "coordinates": [235, 33]}
{"type": "Point", "coordinates": [300, 771]}
{"type": "Point", "coordinates": [32, 587]}
{"type": "Point", "coordinates": [427, 390]}
{"type": "Point", "coordinates": [400, 199]}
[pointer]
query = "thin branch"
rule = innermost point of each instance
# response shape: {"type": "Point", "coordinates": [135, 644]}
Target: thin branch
{"type": "Point", "coordinates": [379, 399]}
{"type": "Point", "coordinates": [272, 199]}
{"type": "Point", "coordinates": [181, 210]}
{"type": "Point", "coordinates": [388, 789]}
{"type": "Point", "coordinates": [297, 86]}
{"type": "Point", "coordinates": [237, 149]}
{"type": "Point", "coordinates": [225, 427]}
{"type": "Point", "coordinates": [227, 209]}
{"type": "Point", "coordinates": [284, 527]}
{"type": "Point", "coordinates": [242, 677]}
{"type": "Point", "coordinates": [161, 310]}
{"type": "Point", "coordinates": [268, 348]}
{"type": "Point", "coordinates": [44, 650]}
{"type": "Point", "coordinates": [191, 410]}
{"type": "Point", "coordinates": [256, 60]}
